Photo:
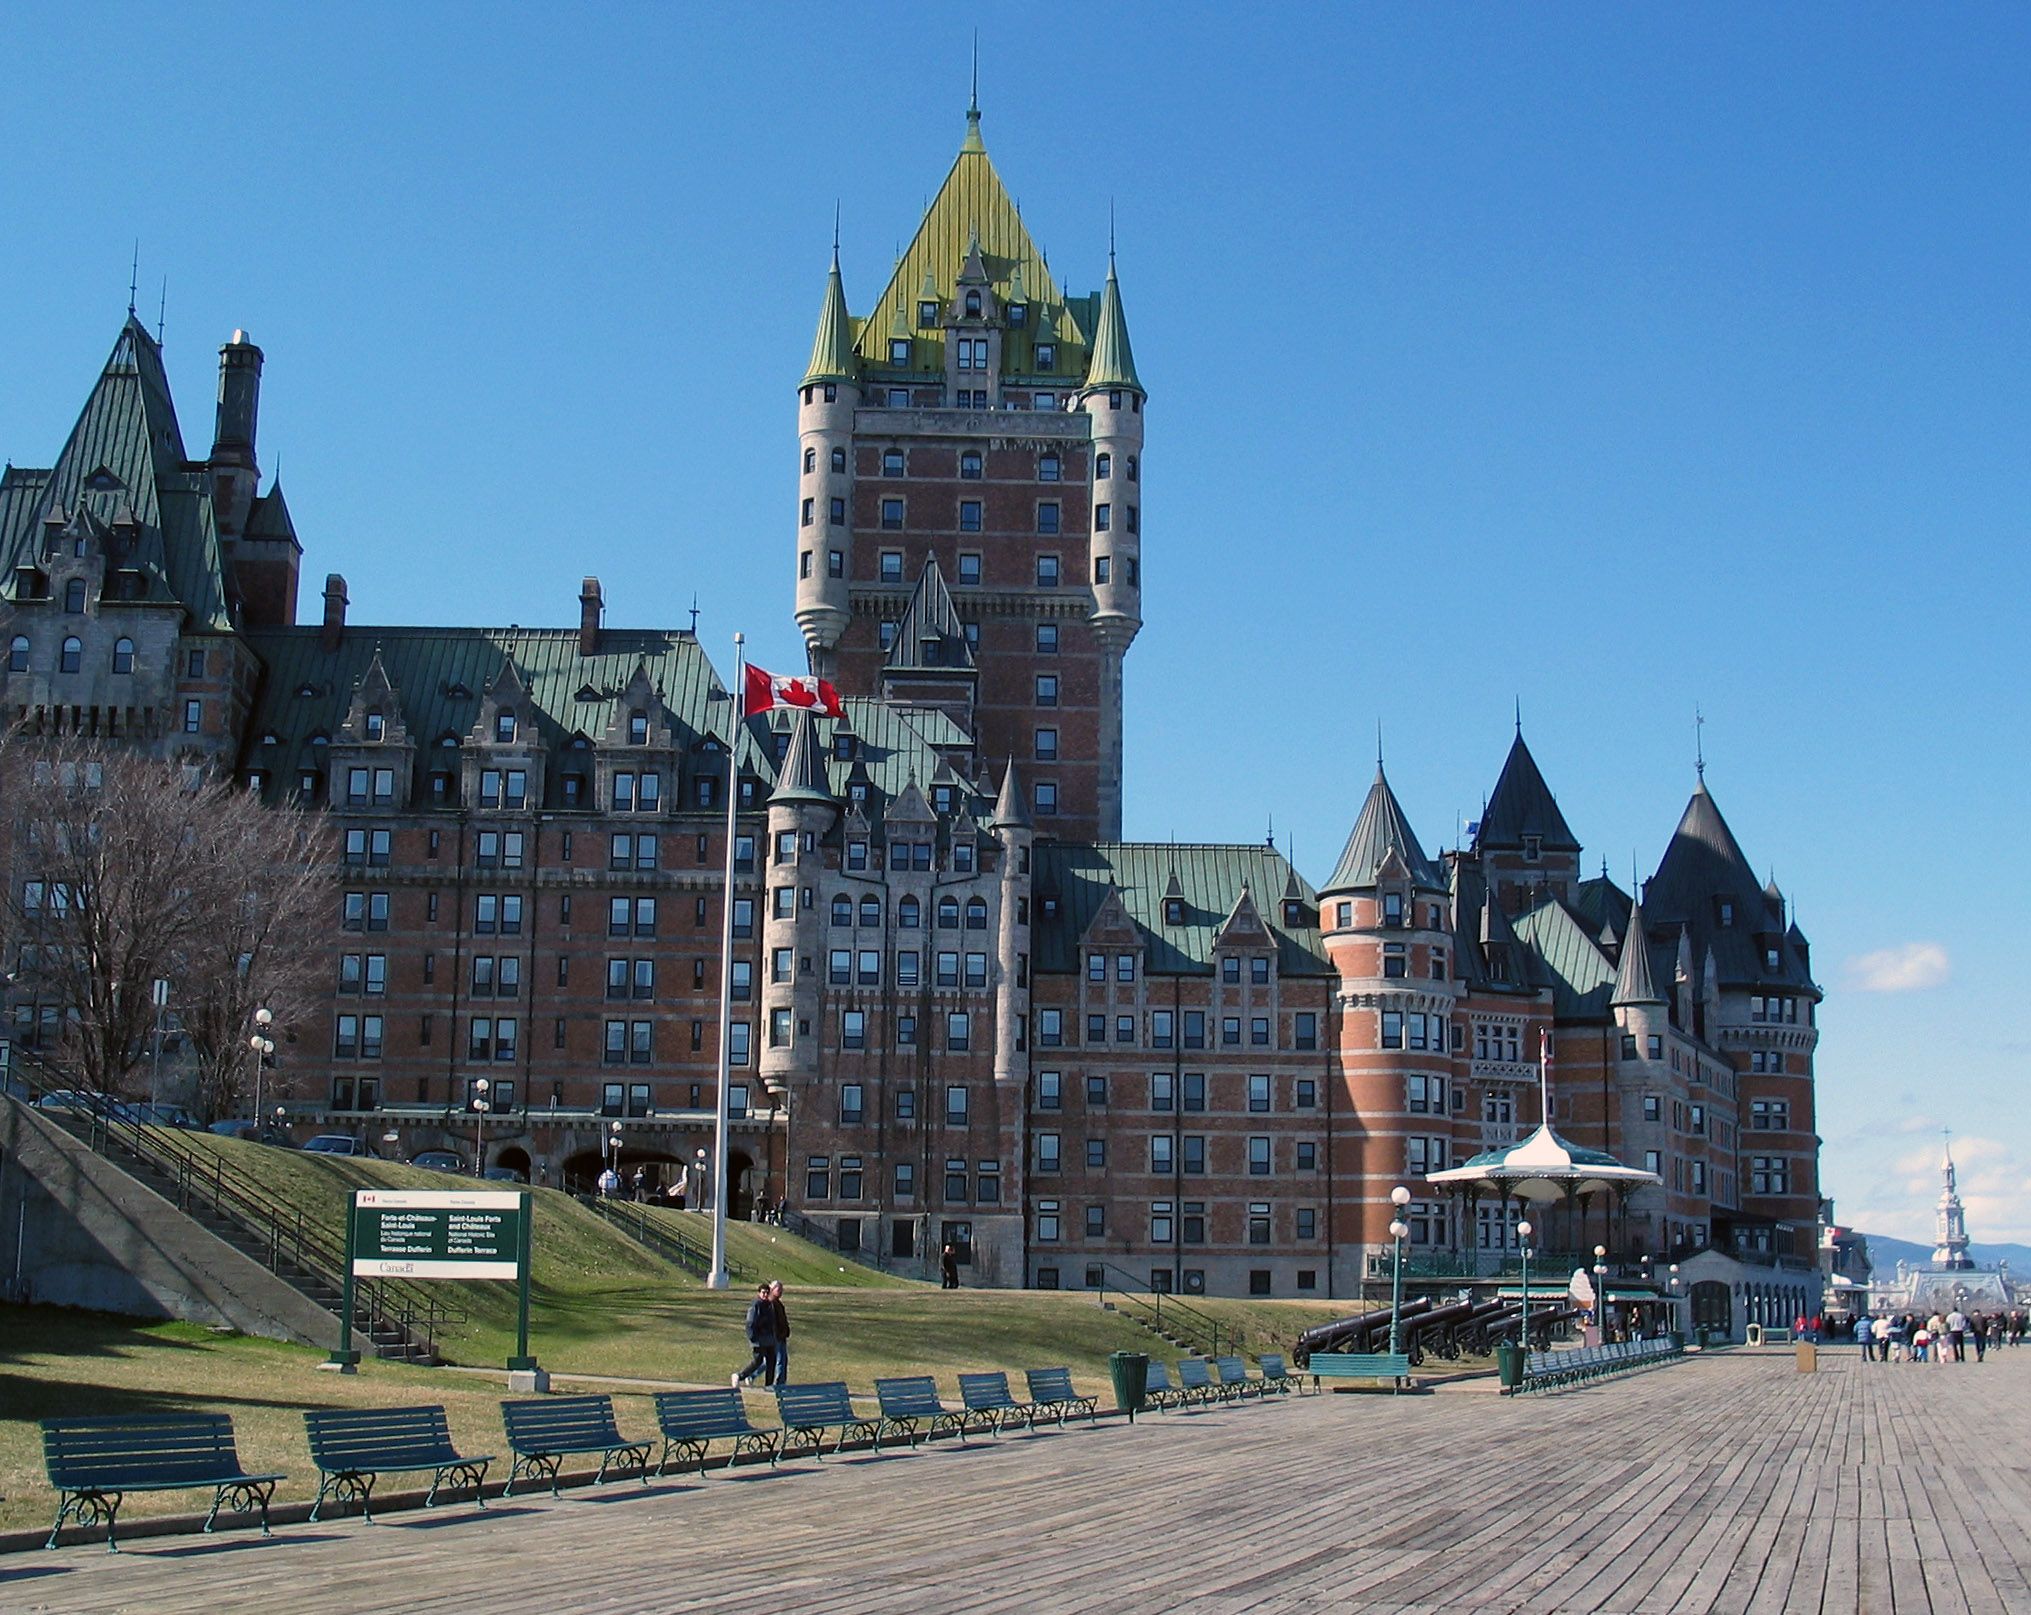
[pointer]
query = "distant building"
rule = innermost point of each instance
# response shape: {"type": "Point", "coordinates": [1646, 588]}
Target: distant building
{"type": "Point", "coordinates": [1953, 1280]}
{"type": "Point", "coordinates": [965, 1011]}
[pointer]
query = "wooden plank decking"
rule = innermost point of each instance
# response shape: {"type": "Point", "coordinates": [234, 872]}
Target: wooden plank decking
{"type": "Point", "coordinates": [1729, 1483]}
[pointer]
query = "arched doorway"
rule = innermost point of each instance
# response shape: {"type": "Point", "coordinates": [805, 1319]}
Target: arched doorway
{"type": "Point", "coordinates": [1713, 1307]}
{"type": "Point", "coordinates": [742, 1184]}
{"type": "Point", "coordinates": [515, 1159]}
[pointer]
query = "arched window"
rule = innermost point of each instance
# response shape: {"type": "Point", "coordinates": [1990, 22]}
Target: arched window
{"type": "Point", "coordinates": [948, 913]}
{"type": "Point", "coordinates": [810, 461]}
{"type": "Point", "coordinates": [17, 654]}
{"type": "Point", "coordinates": [638, 728]}
{"type": "Point", "coordinates": [123, 656]}
{"type": "Point", "coordinates": [1103, 467]}
{"type": "Point", "coordinates": [870, 911]}
{"type": "Point", "coordinates": [74, 596]}
{"type": "Point", "coordinates": [973, 303]}
{"type": "Point", "coordinates": [976, 915]}
{"type": "Point", "coordinates": [842, 910]}
{"type": "Point", "coordinates": [73, 655]}
{"type": "Point", "coordinates": [908, 914]}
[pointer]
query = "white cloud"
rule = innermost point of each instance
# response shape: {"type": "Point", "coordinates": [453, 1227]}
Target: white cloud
{"type": "Point", "coordinates": [1908, 969]}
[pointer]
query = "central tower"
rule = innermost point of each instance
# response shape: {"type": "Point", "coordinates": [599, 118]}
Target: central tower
{"type": "Point", "coordinates": [969, 503]}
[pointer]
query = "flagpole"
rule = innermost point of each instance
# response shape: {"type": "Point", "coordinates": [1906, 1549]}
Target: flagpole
{"type": "Point", "coordinates": [715, 1278]}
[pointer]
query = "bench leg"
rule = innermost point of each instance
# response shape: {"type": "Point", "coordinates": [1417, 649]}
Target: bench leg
{"type": "Point", "coordinates": [88, 1508]}
{"type": "Point", "coordinates": [461, 1474]}
{"type": "Point", "coordinates": [688, 1447]}
{"type": "Point", "coordinates": [528, 1466]}
{"type": "Point", "coordinates": [245, 1495]}
{"type": "Point", "coordinates": [345, 1484]}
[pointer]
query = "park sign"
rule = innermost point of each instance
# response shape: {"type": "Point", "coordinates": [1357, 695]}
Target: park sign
{"type": "Point", "coordinates": [437, 1234]}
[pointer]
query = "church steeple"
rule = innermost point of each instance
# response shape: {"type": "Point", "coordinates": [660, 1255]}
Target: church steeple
{"type": "Point", "coordinates": [1950, 1255]}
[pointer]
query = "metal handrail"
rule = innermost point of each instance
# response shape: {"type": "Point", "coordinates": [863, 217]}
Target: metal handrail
{"type": "Point", "coordinates": [664, 1238]}
{"type": "Point", "coordinates": [1199, 1327]}
{"type": "Point", "coordinates": [282, 1232]}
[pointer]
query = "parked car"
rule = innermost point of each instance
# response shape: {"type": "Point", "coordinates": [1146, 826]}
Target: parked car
{"type": "Point", "coordinates": [505, 1174]}
{"type": "Point", "coordinates": [159, 1115]}
{"type": "Point", "coordinates": [235, 1129]}
{"type": "Point", "coordinates": [438, 1161]}
{"type": "Point", "coordinates": [335, 1144]}
{"type": "Point", "coordinates": [75, 1099]}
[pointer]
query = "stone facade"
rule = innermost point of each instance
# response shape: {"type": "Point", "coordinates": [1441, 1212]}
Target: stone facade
{"type": "Point", "coordinates": [963, 1012]}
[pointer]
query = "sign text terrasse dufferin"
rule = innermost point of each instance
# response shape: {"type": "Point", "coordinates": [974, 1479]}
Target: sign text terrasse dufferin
{"type": "Point", "coordinates": [436, 1234]}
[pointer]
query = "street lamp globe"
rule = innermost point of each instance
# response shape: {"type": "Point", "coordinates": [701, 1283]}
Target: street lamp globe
{"type": "Point", "coordinates": [1600, 1251]}
{"type": "Point", "coordinates": [1399, 1196]}
{"type": "Point", "coordinates": [1524, 1231]}
{"type": "Point", "coordinates": [1398, 1230]}
{"type": "Point", "coordinates": [264, 1016]}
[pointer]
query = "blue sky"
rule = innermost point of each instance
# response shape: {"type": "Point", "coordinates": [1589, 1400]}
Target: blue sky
{"type": "Point", "coordinates": [1617, 361]}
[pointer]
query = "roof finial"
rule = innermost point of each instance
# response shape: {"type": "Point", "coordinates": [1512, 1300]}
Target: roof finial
{"type": "Point", "coordinates": [134, 278]}
{"type": "Point", "coordinates": [835, 232]}
{"type": "Point", "coordinates": [1378, 745]}
{"type": "Point", "coordinates": [1110, 235]}
{"type": "Point", "coordinates": [1519, 717]}
{"type": "Point", "coordinates": [694, 614]}
{"type": "Point", "coordinates": [973, 99]}
{"type": "Point", "coordinates": [162, 311]}
{"type": "Point", "coordinates": [1699, 724]}
{"type": "Point", "coordinates": [1269, 841]}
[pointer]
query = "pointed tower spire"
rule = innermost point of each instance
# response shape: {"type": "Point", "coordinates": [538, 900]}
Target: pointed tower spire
{"type": "Point", "coordinates": [1633, 981]}
{"type": "Point", "coordinates": [1008, 804]}
{"type": "Point", "coordinates": [802, 776]}
{"type": "Point", "coordinates": [973, 142]}
{"type": "Point", "coordinates": [1113, 362]}
{"type": "Point", "coordinates": [832, 356]}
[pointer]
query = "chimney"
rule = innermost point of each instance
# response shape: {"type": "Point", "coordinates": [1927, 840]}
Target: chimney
{"type": "Point", "coordinates": [334, 612]}
{"type": "Point", "coordinates": [235, 472]}
{"type": "Point", "coordinates": [590, 606]}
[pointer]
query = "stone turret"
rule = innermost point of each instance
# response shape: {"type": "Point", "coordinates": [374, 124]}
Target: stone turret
{"type": "Point", "coordinates": [801, 811]}
{"type": "Point", "coordinates": [1010, 826]}
{"type": "Point", "coordinates": [828, 396]}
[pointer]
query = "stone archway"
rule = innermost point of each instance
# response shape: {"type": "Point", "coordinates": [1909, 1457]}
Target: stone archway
{"type": "Point", "coordinates": [515, 1159]}
{"type": "Point", "coordinates": [1713, 1307]}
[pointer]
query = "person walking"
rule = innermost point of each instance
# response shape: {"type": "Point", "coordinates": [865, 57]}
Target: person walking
{"type": "Point", "coordinates": [1978, 1329]}
{"type": "Point", "coordinates": [948, 1267]}
{"type": "Point", "coordinates": [782, 1316]}
{"type": "Point", "coordinates": [761, 1329]}
{"type": "Point", "coordinates": [1957, 1333]}
{"type": "Point", "coordinates": [639, 1183]}
{"type": "Point", "coordinates": [1881, 1330]}
{"type": "Point", "coordinates": [609, 1184]}
{"type": "Point", "coordinates": [1863, 1338]}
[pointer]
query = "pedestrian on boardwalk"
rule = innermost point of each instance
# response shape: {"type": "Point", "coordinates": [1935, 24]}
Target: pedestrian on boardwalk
{"type": "Point", "coordinates": [1978, 1329]}
{"type": "Point", "coordinates": [948, 1267]}
{"type": "Point", "coordinates": [1881, 1330]}
{"type": "Point", "coordinates": [1864, 1337]}
{"type": "Point", "coordinates": [782, 1316]}
{"type": "Point", "coordinates": [761, 1327]}
{"type": "Point", "coordinates": [1957, 1332]}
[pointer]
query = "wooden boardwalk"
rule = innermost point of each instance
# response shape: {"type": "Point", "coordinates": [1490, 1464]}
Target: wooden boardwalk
{"type": "Point", "coordinates": [1728, 1484]}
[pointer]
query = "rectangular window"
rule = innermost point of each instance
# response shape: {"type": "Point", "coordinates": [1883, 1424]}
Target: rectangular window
{"type": "Point", "coordinates": [1048, 519]}
{"type": "Point", "coordinates": [1195, 1028]}
{"type": "Point", "coordinates": [1161, 1158]}
{"type": "Point", "coordinates": [1195, 1154]}
{"type": "Point", "coordinates": [852, 1098]}
{"type": "Point", "coordinates": [1392, 1029]}
{"type": "Point", "coordinates": [955, 1104]}
{"type": "Point", "coordinates": [1195, 1090]}
{"type": "Point", "coordinates": [969, 515]}
{"type": "Point", "coordinates": [1258, 1093]}
{"type": "Point", "coordinates": [1258, 1156]}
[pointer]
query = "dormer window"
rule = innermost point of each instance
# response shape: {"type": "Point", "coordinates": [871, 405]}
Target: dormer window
{"type": "Point", "coordinates": [973, 305]}
{"type": "Point", "coordinates": [1293, 912]}
{"type": "Point", "coordinates": [1174, 911]}
{"type": "Point", "coordinates": [1727, 913]}
{"type": "Point", "coordinates": [504, 729]}
{"type": "Point", "coordinates": [638, 728]}
{"type": "Point", "coordinates": [1392, 908]}
{"type": "Point", "coordinates": [1047, 356]}
{"type": "Point", "coordinates": [1533, 849]}
{"type": "Point", "coordinates": [377, 726]}
{"type": "Point", "coordinates": [1770, 959]}
{"type": "Point", "coordinates": [1019, 314]}
{"type": "Point", "coordinates": [842, 744]}
{"type": "Point", "coordinates": [74, 596]}
{"type": "Point", "coordinates": [927, 313]}
{"type": "Point", "coordinates": [319, 738]}
{"type": "Point", "coordinates": [899, 351]}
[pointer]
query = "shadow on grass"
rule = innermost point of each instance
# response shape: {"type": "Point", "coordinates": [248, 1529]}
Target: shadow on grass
{"type": "Point", "coordinates": [68, 1332]}
{"type": "Point", "coordinates": [30, 1399]}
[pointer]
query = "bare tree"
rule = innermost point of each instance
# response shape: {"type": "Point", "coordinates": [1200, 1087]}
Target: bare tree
{"type": "Point", "coordinates": [126, 870]}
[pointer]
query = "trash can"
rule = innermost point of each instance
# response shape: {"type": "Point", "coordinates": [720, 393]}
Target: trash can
{"type": "Point", "coordinates": [1753, 1335]}
{"type": "Point", "coordinates": [1808, 1357]}
{"type": "Point", "coordinates": [1130, 1371]}
{"type": "Point", "coordinates": [1509, 1364]}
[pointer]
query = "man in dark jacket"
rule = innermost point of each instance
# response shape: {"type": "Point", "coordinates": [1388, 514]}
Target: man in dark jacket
{"type": "Point", "coordinates": [761, 1325]}
{"type": "Point", "coordinates": [782, 1362]}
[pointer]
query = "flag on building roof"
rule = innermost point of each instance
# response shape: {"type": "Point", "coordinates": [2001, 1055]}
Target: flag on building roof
{"type": "Point", "coordinates": [766, 691]}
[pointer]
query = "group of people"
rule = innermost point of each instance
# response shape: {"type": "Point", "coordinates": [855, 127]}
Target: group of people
{"type": "Point", "coordinates": [1908, 1337]}
{"type": "Point", "coordinates": [768, 1328]}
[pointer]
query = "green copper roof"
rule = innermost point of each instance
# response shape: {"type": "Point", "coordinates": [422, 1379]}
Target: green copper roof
{"type": "Point", "coordinates": [125, 457]}
{"type": "Point", "coordinates": [1113, 363]}
{"type": "Point", "coordinates": [973, 203]}
{"type": "Point", "coordinates": [1582, 978]}
{"type": "Point", "coordinates": [1073, 879]}
{"type": "Point", "coordinates": [802, 775]}
{"type": "Point", "coordinates": [1635, 982]}
{"type": "Point", "coordinates": [832, 356]}
{"type": "Point", "coordinates": [1380, 831]}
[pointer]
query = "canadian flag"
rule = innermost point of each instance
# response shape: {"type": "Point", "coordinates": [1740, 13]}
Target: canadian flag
{"type": "Point", "coordinates": [766, 690]}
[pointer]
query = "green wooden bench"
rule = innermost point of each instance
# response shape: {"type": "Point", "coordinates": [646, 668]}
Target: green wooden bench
{"type": "Point", "coordinates": [910, 1403]}
{"type": "Point", "coordinates": [1276, 1377]}
{"type": "Point", "coordinates": [1051, 1392]}
{"type": "Point", "coordinates": [1195, 1381]}
{"type": "Point", "coordinates": [543, 1433]}
{"type": "Point", "coordinates": [808, 1411]}
{"type": "Point", "coordinates": [1234, 1381]}
{"type": "Point", "coordinates": [989, 1402]}
{"type": "Point", "coordinates": [94, 1462]}
{"type": "Point", "coordinates": [1158, 1390]}
{"type": "Point", "coordinates": [352, 1447]}
{"type": "Point", "coordinates": [1360, 1365]}
{"type": "Point", "coordinates": [692, 1420]}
